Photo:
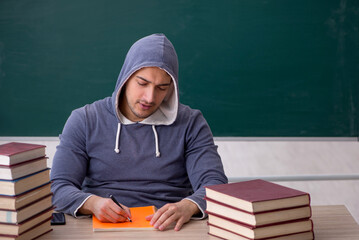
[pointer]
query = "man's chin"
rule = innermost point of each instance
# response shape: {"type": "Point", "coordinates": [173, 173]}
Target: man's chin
{"type": "Point", "coordinates": [143, 115]}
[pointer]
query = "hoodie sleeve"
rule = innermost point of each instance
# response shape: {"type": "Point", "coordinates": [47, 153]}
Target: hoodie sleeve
{"type": "Point", "coordinates": [70, 165]}
{"type": "Point", "coordinates": [203, 163]}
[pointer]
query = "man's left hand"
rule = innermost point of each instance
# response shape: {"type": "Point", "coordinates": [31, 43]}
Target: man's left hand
{"type": "Point", "coordinates": [179, 212]}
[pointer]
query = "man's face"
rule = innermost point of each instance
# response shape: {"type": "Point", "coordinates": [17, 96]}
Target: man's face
{"type": "Point", "coordinates": [144, 92]}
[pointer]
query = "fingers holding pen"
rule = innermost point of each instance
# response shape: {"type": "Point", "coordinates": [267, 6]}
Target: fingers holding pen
{"type": "Point", "coordinates": [121, 211]}
{"type": "Point", "coordinates": [105, 209]}
{"type": "Point", "coordinates": [102, 208]}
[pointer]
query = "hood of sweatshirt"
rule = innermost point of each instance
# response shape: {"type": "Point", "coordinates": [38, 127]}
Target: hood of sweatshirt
{"type": "Point", "coordinates": [151, 51]}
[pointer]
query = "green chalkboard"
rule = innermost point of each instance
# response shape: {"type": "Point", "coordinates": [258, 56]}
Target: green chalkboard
{"type": "Point", "coordinates": [273, 68]}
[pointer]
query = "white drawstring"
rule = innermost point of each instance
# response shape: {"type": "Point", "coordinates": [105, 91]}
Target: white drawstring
{"type": "Point", "coordinates": [158, 154]}
{"type": "Point", "coordinates": [117, 150]}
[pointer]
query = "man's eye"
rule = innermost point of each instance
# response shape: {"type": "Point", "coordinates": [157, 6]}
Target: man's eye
{"type": "Point", "coordinates": [141, 83]}
{"type": "Point", "coordinates": [162, 88]}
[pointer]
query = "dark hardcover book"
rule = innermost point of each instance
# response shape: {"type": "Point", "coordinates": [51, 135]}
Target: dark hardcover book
{"type": "Point", "coordinates": [19, 228]}
{"type": "Point", "coordinates": [26, 212]}
{"type": "Point", "coordinates": [16, 152]}
{"type": "Point", "coordinates": [224, 234]}
{"type": "Point", "coordinates": [32, 233]}
{"type": "Point", "coordinates": [18, 201]}
{"type": "Point", "coordinates": [260, 232]}
{"type": "Point", "coordinates": [21, 185]}
{"type": "Point", "coordinates": [22, 169]}
{"type": "Point", "coordinates": [259, 218]}
{"type": "Point", "coordinates": [257, 196]}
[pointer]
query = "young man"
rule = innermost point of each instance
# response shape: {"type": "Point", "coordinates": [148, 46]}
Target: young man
{"type": "Point", "coordinates": [140, 145]}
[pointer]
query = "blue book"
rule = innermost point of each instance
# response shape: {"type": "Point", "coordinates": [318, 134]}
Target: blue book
{"type": "Point", "coordinates": [26, 183]}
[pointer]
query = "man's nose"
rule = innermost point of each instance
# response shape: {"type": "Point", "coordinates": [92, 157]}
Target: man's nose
{"type": "Point", "coordinates": [150, 95]}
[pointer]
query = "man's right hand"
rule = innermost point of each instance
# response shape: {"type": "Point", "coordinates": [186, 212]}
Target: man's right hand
{"type": "Point", "coordinates": [105, 209]}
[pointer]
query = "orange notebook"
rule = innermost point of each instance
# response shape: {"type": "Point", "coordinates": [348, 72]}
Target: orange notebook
{"type": "Point", "coordinates": [139, 221]}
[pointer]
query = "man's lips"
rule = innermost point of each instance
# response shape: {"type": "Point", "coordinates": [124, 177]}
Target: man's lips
{"type": "Point", "coordinates": [145, 106]}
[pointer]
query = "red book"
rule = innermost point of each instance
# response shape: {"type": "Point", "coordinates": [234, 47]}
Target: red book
{"type": "Point", "coordinates": [19, 228]}
{"type": "Point", "coordinates": [261, 232]}
{"type": "Point", "coordinates": [15, 152]}
{"type": "Point", "coordinates": [257, 196]}
{"type": "Point", "coordinates": [19, 170]}
{"type": "Point", "coordinates": [20, 215]}
{"type": "Point", "coordinates": [32, 233]}
{"type": "Point", "coordinates": [259, 218]}
{"type": "Point", "coordinates": [18, 201]}
{"type": "Point", "coordinates": [224, 234]}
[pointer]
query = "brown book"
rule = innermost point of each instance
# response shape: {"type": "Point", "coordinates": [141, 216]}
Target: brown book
{"type": "Point", "coordinates": [32, 233]}
{"type": "Point", "coordinates": [259, 218]}
{"type": "Point", "coordinates": [267, 231]}
{"type": "Point", "coordinates": [20, 215]}
{"type": "Point", "coordinates": [224, 234]}
{"type": "Point", "coordinates": [21, 185]}
{"type": "Point", "coordinates": [18, 201]}
{"type": "Point", "coordinates": [257, 196]}
{"type": "Point", "coordinates": [19, 228]}
{"type": "Point", "coordinates": [22, 169]}
{"type": "Point", "coordinates": [15, 152]}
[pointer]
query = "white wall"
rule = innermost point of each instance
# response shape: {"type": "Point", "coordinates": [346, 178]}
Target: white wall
{"type": "Point", "coordinates": [302, 160]}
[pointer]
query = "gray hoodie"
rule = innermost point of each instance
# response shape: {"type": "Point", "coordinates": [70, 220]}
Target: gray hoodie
{"type": "Point", "coordinates": [166, 157]}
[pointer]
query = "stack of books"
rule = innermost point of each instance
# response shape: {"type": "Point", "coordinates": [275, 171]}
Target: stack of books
{"type": "Point", "coordinates": [25, 195]}
{"type": "Point", "coordinates": [258, 209]}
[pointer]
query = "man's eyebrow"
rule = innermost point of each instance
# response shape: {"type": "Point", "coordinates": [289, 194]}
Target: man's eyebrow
{"type": "Point", "coordinates": [144, 79]}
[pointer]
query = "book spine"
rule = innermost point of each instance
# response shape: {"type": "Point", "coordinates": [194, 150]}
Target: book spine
{"type": "Point", "coordinates": [8, 217]}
